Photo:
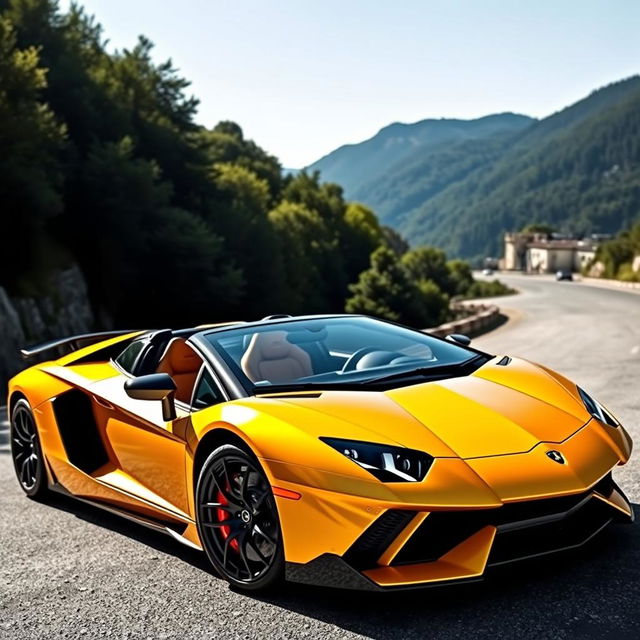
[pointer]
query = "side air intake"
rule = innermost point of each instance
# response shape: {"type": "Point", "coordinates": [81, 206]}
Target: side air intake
{"type": "Point", "coordinates": [79, 432]}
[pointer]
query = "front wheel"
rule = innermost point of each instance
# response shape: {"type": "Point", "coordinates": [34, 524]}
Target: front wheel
{"type": "Point", "coordinates": [26, 452]}
{"type": "Point", "coordinates": [238, 520]}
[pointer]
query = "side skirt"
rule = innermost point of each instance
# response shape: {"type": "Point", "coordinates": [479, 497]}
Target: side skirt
{"type": "Point", "coordinates": [129, 515]}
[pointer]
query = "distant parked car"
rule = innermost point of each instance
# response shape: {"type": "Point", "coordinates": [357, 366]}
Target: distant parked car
{"type": "Point", "coordinates": [564, 275]}
{"type": "Point", "coordinates": [487, 272]}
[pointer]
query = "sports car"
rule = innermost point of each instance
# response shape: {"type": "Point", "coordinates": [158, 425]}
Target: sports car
{"type": "Point", "coordinates": [335, 450]}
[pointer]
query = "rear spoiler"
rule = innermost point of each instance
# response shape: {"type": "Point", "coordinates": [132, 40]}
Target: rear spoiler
{"type": "Point", "coordinates": [73, 342]}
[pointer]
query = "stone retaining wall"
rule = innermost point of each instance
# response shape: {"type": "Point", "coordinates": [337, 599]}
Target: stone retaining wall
{"type": "Point", "coordinates": [483, 318]}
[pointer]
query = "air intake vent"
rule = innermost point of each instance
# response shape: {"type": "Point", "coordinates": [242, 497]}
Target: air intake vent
{"type": "Point", "coordinates": [443, 530]}
{"type": "Point", "coordinates": [78, 430]}
{"type": "Point", "coordinates": [504, 361]}
{"type": "Point", "coordinates": [366, 550]}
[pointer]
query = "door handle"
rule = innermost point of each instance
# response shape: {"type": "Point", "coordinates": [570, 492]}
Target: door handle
{"type": "Point", "coordinates": [103, 403]}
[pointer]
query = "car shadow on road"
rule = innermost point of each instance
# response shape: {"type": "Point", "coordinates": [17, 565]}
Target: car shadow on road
{"type": "Point", "coordinates": [592, 593]}
{"type": "Point", "coordinates": [122, 526]}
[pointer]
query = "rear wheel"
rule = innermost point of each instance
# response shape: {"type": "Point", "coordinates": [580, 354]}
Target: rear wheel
{"type": "Point", "coordinates": [26, 451]}
{"type": "Point", "coordinates": [238, 520]}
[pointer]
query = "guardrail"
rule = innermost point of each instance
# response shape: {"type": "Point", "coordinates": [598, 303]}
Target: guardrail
{"type": "Point", "coordinates": [483, 318]}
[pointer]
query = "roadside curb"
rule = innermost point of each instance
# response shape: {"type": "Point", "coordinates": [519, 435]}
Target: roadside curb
{"type": "Point", "coordinates": [632, 287]}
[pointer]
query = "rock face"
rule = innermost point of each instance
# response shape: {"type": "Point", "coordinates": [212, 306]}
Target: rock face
{"type": "Point", "coordinates": [64, 311]}
{"type": "Point", "coordinates": [11, 339]}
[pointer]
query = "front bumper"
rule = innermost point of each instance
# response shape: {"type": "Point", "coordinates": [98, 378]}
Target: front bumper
{"type": "Point", "coordinates": [404, 548]}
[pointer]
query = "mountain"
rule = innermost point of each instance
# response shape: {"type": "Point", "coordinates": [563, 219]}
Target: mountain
{"type": "Point", "coordinates": [578, 170]}
{"type": "Point", "coordinates": [356, 167]}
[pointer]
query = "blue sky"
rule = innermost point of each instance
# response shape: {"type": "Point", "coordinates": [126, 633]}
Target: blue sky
{"type": "Point", "coordinates": [302, 77]}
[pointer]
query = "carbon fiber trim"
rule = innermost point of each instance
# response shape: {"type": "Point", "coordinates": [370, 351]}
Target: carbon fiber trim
{"type": "Point", "coordinates": [329, 570]}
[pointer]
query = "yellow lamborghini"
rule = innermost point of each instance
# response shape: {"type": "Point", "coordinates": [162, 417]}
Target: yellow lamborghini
{"type": "Point", "coordinates": [332, 450]}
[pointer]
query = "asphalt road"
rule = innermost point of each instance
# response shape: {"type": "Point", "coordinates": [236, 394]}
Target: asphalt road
{"type": "Point", "coordinates": [68, 570]}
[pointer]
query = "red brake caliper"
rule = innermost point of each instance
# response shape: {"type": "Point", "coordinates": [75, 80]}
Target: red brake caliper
{"type": "Point", "coordinates": [223, 515]}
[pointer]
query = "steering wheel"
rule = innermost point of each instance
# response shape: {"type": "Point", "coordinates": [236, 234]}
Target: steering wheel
{"type": "Point", "coordinates": [355, 357]}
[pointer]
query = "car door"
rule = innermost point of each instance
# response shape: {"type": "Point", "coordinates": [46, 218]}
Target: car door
{"type": "Point", "coordinates": [148, 455]}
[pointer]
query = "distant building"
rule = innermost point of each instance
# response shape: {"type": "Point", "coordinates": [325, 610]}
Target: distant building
{"type": "Point", "coordinates": [541, 253]}
{"type": "Point", "coordinates": [515, 249]}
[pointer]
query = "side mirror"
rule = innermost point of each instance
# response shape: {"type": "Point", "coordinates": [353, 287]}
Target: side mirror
{"type": "Point", "coordinates": [155, 386]}
{"type": "Point", "coordinates": [459, 338]}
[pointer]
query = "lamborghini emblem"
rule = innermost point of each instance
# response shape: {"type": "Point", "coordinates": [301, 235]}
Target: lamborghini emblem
{"type": "Point", "coordinates": [556, 456]}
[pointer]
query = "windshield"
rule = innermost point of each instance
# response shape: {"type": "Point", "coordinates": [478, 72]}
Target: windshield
{"type": "Point", "coordinates": [330, 352]}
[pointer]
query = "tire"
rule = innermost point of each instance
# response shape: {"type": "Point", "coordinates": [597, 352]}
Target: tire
{"type": "Point", "coordinates": [238, 520]}
{"type": "Point", "coordinates": [26, 451]}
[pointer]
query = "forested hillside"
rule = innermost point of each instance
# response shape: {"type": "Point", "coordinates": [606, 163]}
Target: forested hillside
{"type": "Point", "coordinates": [578, 170]}
{"type": "Point", "coordinates": [359, 167]}
{"type": "Point", "coordinates": [103, 165]}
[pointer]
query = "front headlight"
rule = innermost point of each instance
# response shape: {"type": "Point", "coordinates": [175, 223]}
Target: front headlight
{"type": "Point", "coordinates": [597, 410]}
{"type": "Point", "coordinates": [385, 462]}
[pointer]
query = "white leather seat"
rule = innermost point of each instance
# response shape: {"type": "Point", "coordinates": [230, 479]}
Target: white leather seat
{"type": "Point", "coordinates": [270, 356]}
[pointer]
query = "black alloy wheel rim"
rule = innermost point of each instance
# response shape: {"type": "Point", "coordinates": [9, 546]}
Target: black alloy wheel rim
{"type": "Point", "coordinates": [24, 447]}
{"type": "Point", "coordinates": [238, 518]}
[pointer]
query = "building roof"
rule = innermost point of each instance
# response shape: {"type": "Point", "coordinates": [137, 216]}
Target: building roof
{"type": "Point", "coordinates": [551, 245]}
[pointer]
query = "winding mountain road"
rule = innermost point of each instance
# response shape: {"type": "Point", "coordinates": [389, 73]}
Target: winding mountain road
{"type": "Point", "coordinates": [68, 570]}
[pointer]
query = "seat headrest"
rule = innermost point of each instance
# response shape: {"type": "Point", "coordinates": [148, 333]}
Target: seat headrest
{"type": "Point", "coordinates": [180, 357]}
{"type": "Point", "coordinates": [272, 345]}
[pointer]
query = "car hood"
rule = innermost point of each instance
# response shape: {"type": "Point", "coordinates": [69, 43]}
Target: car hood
{"type": "Point", "coordinates": [497, 410]}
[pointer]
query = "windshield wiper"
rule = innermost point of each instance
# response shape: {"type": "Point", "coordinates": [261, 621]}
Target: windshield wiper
{"type": "Point", "coordinates": [461, 368]}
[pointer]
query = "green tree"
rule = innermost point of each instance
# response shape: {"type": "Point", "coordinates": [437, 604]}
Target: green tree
{"type": "Point", "coordinates": [308, 249]}
{"type": "Point", "coordinates": [460, 277]}
{"type": "Point", "coordinates": [427, 263]}
{"type": "Point", "coordinates": [617, 254]}
{"type": "Point", "coordinates": [242, 219]}
{"type": "Point", "coordinates": [324, 198]}
{"type": "Point", "coordinates": [387, 290]}
{"type": "Point", "coordinates": [538, 227]}
{"type": "Point", "coordinates": [225, 143]}
{"type": "Point", "coordinates": [150, 262]}
{"type": "Point", "coordinates": [360, 236]}
{"type": "Point", "coordinates": [336, 264]}
{"type": "Point", "coordinates": [30, 139]}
